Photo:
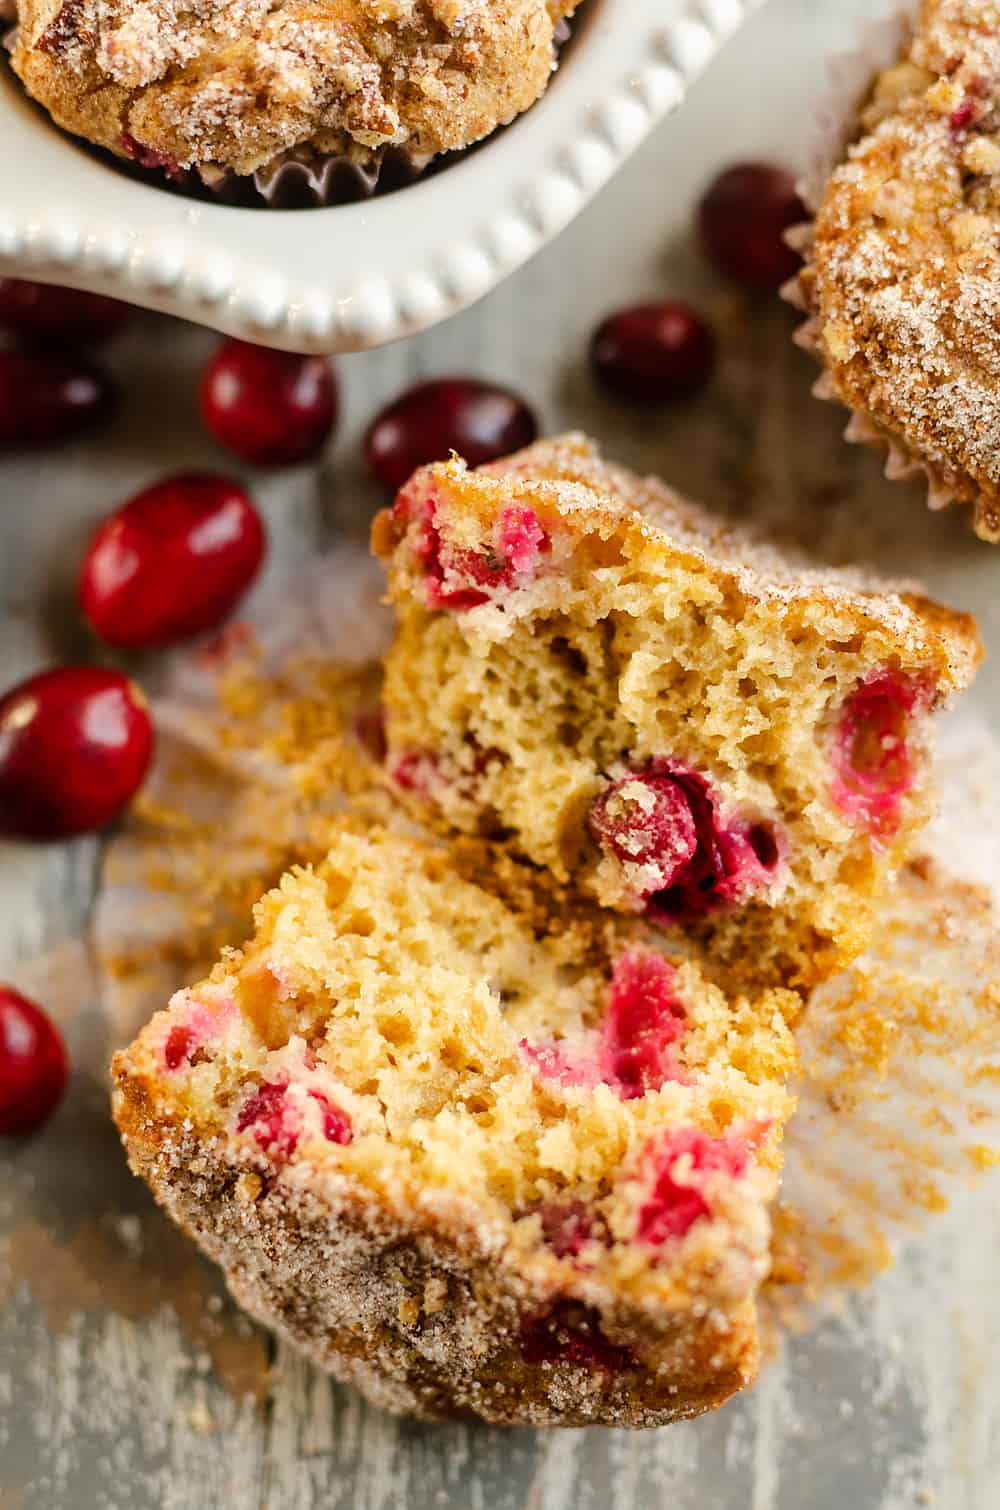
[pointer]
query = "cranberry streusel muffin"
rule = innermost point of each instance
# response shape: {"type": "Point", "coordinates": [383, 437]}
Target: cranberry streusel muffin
{"type": "Point", "coordinates": [682, 721]}
{"type": "Point", "coordinates": [902, 280]}
{"type": "Point", "coordinates": [474, 1158]}
{"type": "Point", "coordinates": [244, 87]}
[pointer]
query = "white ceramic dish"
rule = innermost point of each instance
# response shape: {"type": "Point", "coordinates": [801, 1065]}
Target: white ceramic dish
{"type": "Point", "coordinates": [356, 276]}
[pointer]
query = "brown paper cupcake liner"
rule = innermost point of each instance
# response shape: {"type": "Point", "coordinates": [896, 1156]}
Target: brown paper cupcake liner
{"type": "Point", "coordinates": [836, 123]}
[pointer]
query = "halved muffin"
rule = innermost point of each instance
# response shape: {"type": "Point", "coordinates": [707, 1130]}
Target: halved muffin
{"type": "Point", "coordinates": [683, 722]}
{"type": "Point", "coordinates": [474, 1157]}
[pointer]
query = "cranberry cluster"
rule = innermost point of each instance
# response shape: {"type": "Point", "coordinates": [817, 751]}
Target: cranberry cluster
{"type": "Point", "coordinates": [172, 561]}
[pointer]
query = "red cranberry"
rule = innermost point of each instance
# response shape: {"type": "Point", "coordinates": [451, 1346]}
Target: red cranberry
{"type": "Point", "coordinates": [644, 1019]}
{"type": "Point", "coordinates": [45, 399]}
{"type": "Point", "coordinates": [151, 158]}
{"type": "Point", "coordinates": [277, 1122]}
{"type": "Point", "coordinates": [178, 1047]}
{"type": "Point", "coordinates": [673, 1206]}
{"type": "Point", "coordinates": [33, 1063]}
{"type": "Point", "coordinates": [742, 220]}
{"type": "Point", "coordinates": [568, 1333]}
{"type": "Point", "coordinates": [45, 314]}
{"type": "Point", "coordinates": [171, 562]}
{"type": "Point", "coordinates": [429, 421]}
{"type": "Point", "coordinates": [75, 745]}
{"type": "Point", "coordinates": [646, 820]}
{"type": "Point", "coordinates": [653, 353]}
{"type": "Point", "coordinates": [270, 407]}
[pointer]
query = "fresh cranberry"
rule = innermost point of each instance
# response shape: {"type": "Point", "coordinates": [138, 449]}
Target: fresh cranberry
{"type": "Point", "coordinates": [45, 314]}
{"type": "Point", "coordinates": [644, 1018]}
{"type": "Point", "coordinates": [633, 1052]}
{"type": "Point", "coordinates": [873, 764]}
{"type": "Point", "coordinates": [270, 407]}
{"type": "Point", "coordinates": [171, 562]}
{"type": "Point", "coordinates": [646, 820]}
{"type": "Point", "coordinates": [46, 399]}
{"type": "Point", "coordinates": [75, 745]}
{"type": "Point", "coordinates": [33, 1063]}
{"type": "Point", "coordinates": [432, 419]}
{"type": "Point", "coordinates": [649, 828]}
{"type": "Point", "coordinates": [569, 1333]}
{"type": "Point", "coordinates": [653, 353]}
{"type": "Point", "coordinates": [675, 1204]}
{"type": "Point", "coordinates": [743, 219]}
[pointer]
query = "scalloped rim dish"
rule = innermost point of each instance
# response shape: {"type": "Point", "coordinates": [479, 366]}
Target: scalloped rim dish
{"type": "Point", "coordinates": [356, 276]}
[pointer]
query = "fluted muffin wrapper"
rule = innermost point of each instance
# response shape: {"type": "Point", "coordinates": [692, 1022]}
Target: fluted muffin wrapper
{"type": "Point", "coordinates": [899, 1101]}
{"type": "Point", "coordinates": [851, 73]}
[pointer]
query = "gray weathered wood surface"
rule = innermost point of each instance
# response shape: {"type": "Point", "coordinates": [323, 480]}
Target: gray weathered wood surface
{"type": "Point", "coordinates": [123, 1372]}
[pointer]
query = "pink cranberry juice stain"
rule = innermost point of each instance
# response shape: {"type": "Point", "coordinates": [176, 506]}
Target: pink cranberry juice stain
{"type": "Point", "coordinates": [676, 1200]}
{"type": "Point", "coordinates": [457, 579]}
{"type": "Point", "coordinates": [277, 1121]}
{"type": "Point", "coordinates": [567, 1226]}
{"type": "Point", "coordinates": [632, 1053]}
{"type": "Point", "coordinates": [874, 768]}
{"type": "Point", "coordinates": [202, 1021]}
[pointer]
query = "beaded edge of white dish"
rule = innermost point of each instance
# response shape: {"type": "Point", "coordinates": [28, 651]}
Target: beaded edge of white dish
{"type": "Point", "coordinates": [356, 276]}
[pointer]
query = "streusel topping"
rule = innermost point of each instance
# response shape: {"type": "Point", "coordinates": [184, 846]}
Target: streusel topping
{"type": "Point", "coordinates": [232, 83]}
{"type": "Point", "coordinates": [905, 274]}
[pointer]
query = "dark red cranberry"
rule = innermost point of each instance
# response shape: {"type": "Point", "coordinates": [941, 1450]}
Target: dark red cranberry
{"type": "Point", "coordinates": [646, 819]}
{"type": "Point", "coordinates": [653, 353]}
{"type": "Point", "coordinates": [567, 1227]}
{"type": "Point", "coordinates": [276, 1121]}
{"type": "Point", "coordinates": [742, 220]}
{"type": "Point", "coordinates": [644, 1018]}
{"type": "Point", "coordinates": [75, 745]}
{"type": "Point", "coordinates": [46, 399]}
{"type": "Point", "coordinates": [152, 158]}
{"type": "Point", "coordinates": [171, 562]}
{"type": "Point", "coordinates": [177, 1049]}
{"type": "Point", "coordinates": [674, 1205]}
{"type": "Point", "coordinates": [874, 764]}
{"type": "Point", "coordinates": [429, 421]}
{"type": "Point", "coordinates": [271, 408]}
{"type": "Point", "coordinates": [661, 824]}
{"type": "Point", "coordinates": [569, 1333]}
{"type": "Point", "coordinates": [33, 1063]}
{"type": "Point", "coordinates": [51, 316]}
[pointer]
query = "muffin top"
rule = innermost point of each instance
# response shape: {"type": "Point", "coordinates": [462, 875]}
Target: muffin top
{"type": "Point", "coordinates": [904, 277]}
{"type": "Point", "coordinates": [231, 84]}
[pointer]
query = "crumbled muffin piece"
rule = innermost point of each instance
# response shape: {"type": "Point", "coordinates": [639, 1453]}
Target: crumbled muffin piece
{"type": "Point", "coordinates": [468, 1167]}
{"type": "Point", "coordinates": [681, 721]}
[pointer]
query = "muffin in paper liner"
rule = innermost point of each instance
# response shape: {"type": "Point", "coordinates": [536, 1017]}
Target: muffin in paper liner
{"type": "Point", "coordinates": [332, 168]}
{"type": "Point", "coordinates": [852, 76]}
{"type": "Point", "coordinates": [271, 729]}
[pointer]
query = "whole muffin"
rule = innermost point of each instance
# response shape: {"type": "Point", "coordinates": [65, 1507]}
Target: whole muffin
{"type": "Point", "coordinates": [236, 86]}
